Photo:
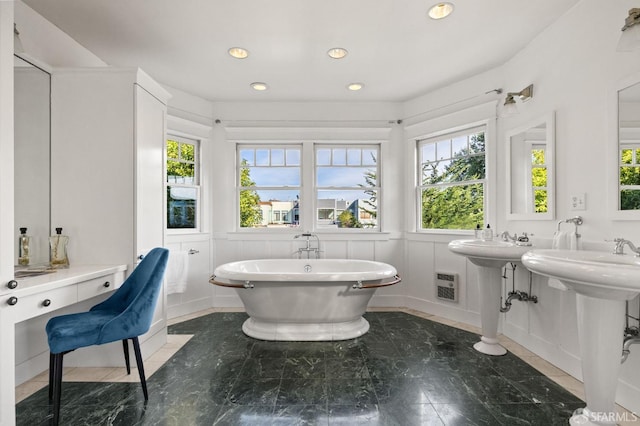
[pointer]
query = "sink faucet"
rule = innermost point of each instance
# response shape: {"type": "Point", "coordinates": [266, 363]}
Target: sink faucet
{"type": "Point", "coordinates": [506, 237]}
{"type": "Point", "coordinates": [621, 242]}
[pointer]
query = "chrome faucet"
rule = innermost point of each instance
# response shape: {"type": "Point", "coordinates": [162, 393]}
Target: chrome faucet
{"type": "Point", "coordinates": [621, 242]}
{"type": "Point", "coordinates": [308, 249]}
{"type": "Point", "coordinates": [507, 237]}
{"type": "Point", "coordinates": [522, 240]}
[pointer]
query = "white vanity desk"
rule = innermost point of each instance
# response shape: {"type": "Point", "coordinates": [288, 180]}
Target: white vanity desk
{"type": "Point", "coordinates": [35, 296]}
{"type": "Point", "coordinates": [38, 295]}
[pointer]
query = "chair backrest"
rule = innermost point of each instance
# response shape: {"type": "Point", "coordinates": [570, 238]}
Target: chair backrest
{"type": "Point", "coordinates": [135, 300]}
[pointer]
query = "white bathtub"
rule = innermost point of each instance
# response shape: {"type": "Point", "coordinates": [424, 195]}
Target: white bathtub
{"type": "Point", "coordinates": [305, 299]}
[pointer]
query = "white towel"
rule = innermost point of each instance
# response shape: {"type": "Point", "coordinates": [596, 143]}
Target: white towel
{"type": "Point", "coordinates": [564, 241]}
{"type": "Point", "coordinates": [177, 271]}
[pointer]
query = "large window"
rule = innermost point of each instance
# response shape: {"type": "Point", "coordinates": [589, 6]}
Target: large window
{"type": "Point", "coordinates": [451, 180]}
{"type": "Point", "coordinates": [341, 189]}
{"type": "Point", "coordinates": [347, 186]}
{"type": "Point", "coordinates": [269, 180]}
{"type": "Point", "coordinates": [183, 185]}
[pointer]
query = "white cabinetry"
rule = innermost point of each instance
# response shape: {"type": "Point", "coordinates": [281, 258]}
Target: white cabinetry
{"type": "Point", "coordinates": [107, 171]}
{"type": "Point", "coordinates": [198, 294]}
{"type": "Point", "coordinates": [107, 163]}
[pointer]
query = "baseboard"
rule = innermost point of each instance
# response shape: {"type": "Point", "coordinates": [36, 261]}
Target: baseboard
{"type": "Point", "coordinates": [628, 396]}
{"type": "Point", "coordinates": [231, 301]}
{"type": "Point", "coordinates": [554, 354]}
{"type": "Point", "coordinates": [188, 308]}
{"type": "Point", "coordinates": [453, 313]}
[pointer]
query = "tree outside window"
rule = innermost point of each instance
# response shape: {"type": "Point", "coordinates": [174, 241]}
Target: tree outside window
{"type": "Point", "coordinates": [183, 188]}
{"type": "Point", "coordinates": [451, 181]}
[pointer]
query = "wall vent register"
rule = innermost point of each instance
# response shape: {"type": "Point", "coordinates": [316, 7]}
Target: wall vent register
{"type": "Point", "coordinates": [447, 286]}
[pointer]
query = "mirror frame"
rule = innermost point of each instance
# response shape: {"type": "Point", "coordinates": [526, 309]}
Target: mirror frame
{"type": "Point", "coordinates": [549, 120]}
{"type": "Point", "coordinates": [614, 173]}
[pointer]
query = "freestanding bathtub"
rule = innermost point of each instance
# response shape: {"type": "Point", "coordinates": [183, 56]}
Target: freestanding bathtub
{"type": "Point", "coordinates": [305, 299]}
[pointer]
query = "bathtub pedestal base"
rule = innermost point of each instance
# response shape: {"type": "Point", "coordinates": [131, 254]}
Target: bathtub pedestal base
{"type": "Point", "coordinates": [281, 331]}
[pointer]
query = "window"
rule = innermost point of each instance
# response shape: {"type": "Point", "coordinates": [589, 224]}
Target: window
{"type": "Point", "coordinates": [341, 187]}
{"type": "Point", "coordinates": [347, 186]}
{"type": "Point", "coordinates": [629, 175]}
{"type": "Point", "coordinates": [269, 180]}
{"type": "Point", "coordinates": [539, 191]}
{"type": "Point", "coordinates": [451, 180]}
{"type": "Point", "coordinates": [183, 185]}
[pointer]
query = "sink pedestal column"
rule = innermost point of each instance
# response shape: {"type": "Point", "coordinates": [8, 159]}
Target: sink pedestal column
{"type": "Point", "coordinates": [489, 280]}
{"type": "Point", "coordinates": [600, 331]}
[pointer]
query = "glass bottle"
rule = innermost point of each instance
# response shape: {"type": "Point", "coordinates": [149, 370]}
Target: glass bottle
{"type": "Point", "coordinates": [23, 247]}
{"type": "Point", "coordinates": [58, 254]}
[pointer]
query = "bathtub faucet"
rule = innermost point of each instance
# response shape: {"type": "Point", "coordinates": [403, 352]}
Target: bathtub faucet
{"type": "Point", "coordinates": [309, 247]}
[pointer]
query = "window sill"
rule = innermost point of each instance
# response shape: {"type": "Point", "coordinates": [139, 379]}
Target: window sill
{"type": "Point", "coordinates": [322, 235]}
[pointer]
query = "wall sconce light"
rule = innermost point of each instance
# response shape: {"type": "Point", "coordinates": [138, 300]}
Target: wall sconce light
{"type": "Point", "coordinates": [17, 43]}
{"type": "Point", "coordinates": [630, 38]}
{"type": "Point", "coordinates": [510, 101]}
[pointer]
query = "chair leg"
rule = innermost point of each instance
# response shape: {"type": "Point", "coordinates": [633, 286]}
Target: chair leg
{"type": "Point", "coordinates": [57, 386]}
{"type": "Point", "coordinates": [143, 380]}
{"type": "Point", "coordinates": [125, 346]}
{"type": "Point", "coordinates": [51, 375]}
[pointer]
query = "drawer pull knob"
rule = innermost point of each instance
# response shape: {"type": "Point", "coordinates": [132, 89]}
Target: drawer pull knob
{"type": "Point", "coordinates": [12, 300]}
{"type": "Point", "coordinates": [107, 284]}
{"type": "Point", "coordinates": [12, 284]}
{"type": "Point", "coordinates": [46, 302]}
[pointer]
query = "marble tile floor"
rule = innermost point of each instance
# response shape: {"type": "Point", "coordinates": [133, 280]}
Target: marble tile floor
{"type": "Point", "coordinates": [410, 369]}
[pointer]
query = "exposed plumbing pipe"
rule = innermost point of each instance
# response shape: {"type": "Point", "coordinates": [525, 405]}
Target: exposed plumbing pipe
{"type": "Point", "coordinates": [626, 350]}
{"type": "Point", "coordinates": [516, 294]}
{"type": "Point", "coordinates": [632, 334]}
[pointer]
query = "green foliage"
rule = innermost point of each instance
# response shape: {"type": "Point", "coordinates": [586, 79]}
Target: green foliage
{"type": "Point", "coordinates": [250, 213]}
{"type": "Point", "coordinates": [458, 206]}
{"type": "Point", "coordinates": [370, 206]}
{"type": "Point", "coordinates": [629, 175]}
{"type": "Point", "coordinates": [180, 159]}
{"type": "Point", "coordinates": [539, 180]}
{"type": "Point", "coordinates": [346, 219]}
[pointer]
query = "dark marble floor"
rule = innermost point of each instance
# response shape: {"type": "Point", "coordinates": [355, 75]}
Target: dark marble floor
{"type": "Point", "coordinates": [405, 371]}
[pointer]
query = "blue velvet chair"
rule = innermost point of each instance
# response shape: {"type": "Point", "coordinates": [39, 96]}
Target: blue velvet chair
{"type": "Point", "coordinates": [124, 316]}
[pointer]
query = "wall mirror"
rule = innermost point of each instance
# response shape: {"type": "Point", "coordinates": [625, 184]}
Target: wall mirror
{"type": "Point", "coordinates": [32, 128]}
{"type": "Point", "coordinates": [530, 155]}
{"type": "Point", "coordinates": [628, 149]}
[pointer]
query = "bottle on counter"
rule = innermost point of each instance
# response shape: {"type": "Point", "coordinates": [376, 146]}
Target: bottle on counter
{"type": "Point", "coordinates": [487, 235]}
{"type": "Point", "coordinates": [23, 247]}
{"type": "Point", "coordinates": [58, 254]}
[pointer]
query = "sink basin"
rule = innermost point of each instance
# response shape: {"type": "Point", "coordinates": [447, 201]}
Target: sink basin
{"type": "Point", "coordinates": [592, 273]}
{"type": "Point", "coordinates": [602, 282]}
{"type": "Point", "coordinates": [492, 253]}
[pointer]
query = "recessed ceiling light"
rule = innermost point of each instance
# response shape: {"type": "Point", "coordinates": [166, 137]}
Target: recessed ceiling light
{"type": "Point", "coordinates": [440, 10]}
{"type": "Point", "coordinates": [355, 86]}
{"type": "Point", "coordinates": [238, 52]}
{"type": "Point", "coordinates": [260, 87]}
{"type": "Point", "coordinates": [337, 52]}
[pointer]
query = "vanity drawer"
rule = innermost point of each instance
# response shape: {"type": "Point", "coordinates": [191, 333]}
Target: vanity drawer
{"type": "Point", "coordinates": [100, 285]}
{"type": "Point", "coordinates": [38, 304]}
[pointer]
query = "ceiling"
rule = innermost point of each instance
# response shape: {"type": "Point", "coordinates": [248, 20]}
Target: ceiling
{"type": "Point", "coordinates": [394, 48]}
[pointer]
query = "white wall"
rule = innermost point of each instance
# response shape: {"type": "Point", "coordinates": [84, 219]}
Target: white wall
{"type": "Point", "coordinates": [574, 67]}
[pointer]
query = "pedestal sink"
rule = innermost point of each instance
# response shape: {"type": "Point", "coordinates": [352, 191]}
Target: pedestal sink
{"type": "Point", "coordinates": [603, 282]}
{"type": "Point", "coordinates": [489, 257]}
